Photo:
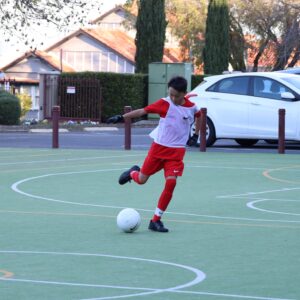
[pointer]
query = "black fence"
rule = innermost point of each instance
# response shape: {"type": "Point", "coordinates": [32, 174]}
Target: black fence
{"type": "Point", "coordinates": [79, 98]}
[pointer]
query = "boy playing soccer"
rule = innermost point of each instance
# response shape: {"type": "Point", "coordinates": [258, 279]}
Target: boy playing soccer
{"type": "Point", "coordinates": [177, 113]}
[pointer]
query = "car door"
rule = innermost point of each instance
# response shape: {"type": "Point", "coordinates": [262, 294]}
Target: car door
{"type": "Point", "coordinates": [228, 105]}
{"type": "Point", "coordinates": [265, 103]}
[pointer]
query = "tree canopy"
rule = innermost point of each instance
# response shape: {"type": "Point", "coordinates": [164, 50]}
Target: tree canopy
{"type": "Point", "coordinates": [216, 50]}
{"type": "Point", "coordinates": [187, 24]}
{"type": "Point", "coordinates": [150, 33]}
{"type": "Point", "coordinates": [18, 17]}
{"type": "Point", "coordinates": [275, 25]}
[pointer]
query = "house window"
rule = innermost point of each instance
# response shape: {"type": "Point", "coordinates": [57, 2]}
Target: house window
{"type": "Point", "coordinates": [97, 61]}
{"type": "Point", "coordinates": [112, 62]}
{"type": "Point", "coordinates": [104, 62]}
{"type": "Point", "coordinates": [121, 65]}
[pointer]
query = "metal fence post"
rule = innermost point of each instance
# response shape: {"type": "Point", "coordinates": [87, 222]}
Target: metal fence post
{"type": "Point", "coordinates": [55, 126]}
{"type": "Point", "coordinates": [127, 128]}
{"type": "Point", "coordinates": [203, 129]}
{"type": "Point", "coordinates": [281, 131]}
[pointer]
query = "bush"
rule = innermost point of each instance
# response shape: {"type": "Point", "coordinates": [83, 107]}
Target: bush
{"type": "Point", "coordinates": [118, 90]}
{"type": "Point", "coordinates": [10, 109]}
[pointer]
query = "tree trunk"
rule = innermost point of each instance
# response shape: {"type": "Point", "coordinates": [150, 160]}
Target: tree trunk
{"type": "Point", "coordinates": [259, 54]}
{"type": "Point", "coordinates": [296, 57]}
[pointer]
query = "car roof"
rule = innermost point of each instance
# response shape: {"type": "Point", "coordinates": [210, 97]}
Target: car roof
{"type": "Point", "coordinates": [264, 74]}
{"type": "Point", "coordinates": [291, 70]}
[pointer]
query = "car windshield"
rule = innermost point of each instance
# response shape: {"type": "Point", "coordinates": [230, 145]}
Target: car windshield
{"type": "Point", "coordinates": [295, 81]}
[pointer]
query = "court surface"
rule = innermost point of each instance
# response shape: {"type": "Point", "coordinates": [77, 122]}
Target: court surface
{"type": "Point", "coordinates": [234, 227]}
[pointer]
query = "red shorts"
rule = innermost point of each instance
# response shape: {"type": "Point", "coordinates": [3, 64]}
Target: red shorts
{"type": "Point", "coordinates": [160, 157]}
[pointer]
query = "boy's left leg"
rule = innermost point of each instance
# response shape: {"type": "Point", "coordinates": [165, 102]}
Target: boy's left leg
{"type": "Point", "coordinates": [150, 166]}
{"type": "Point", "coordinates": [172, 170]}
{"type": "Point", "coordinates": [125, 176]}
{"type": "Point", "coordinates": [163, 202]}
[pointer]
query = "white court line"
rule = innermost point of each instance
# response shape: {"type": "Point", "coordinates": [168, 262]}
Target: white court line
{"type": "Point", "coordinates": [255, 200]}
{"type": "Point", "coordinates": [225, 167]}
{"type": "Point", "coordinates": [68, 159]}
{"type": "Point", "coordinates": [230, 295]}
{"type": "Point", "coordinates": [193, 293]}
{"type": "Point", "coordinates": [258, 193]}
{"type": "Point", "coordinates": [252, 206]}
{"type": "Point", "coordinates": [16, 189]}
{"type": "Point", "coordinates": [78, 284]}
{"type": "Point", "coordinates": [200, 276]}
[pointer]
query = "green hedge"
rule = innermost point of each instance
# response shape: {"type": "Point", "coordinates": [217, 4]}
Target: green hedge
{"type": "Point", "coordinates": [10, 109]}
{"type": "Point", "coordinates": [118, 90]}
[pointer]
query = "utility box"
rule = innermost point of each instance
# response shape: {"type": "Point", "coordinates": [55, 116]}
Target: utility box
{"type": "Point", "coordinates": [159, 76]}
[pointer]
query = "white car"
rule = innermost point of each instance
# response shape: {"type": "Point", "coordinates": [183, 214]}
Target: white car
{"type": "Point", "coordinates": [244, 106]}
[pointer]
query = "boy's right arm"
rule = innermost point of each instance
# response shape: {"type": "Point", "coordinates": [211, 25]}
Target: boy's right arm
{"type": "Point", "coordinates": [132, 114]}
{"type": "Point", "coordinates": [135, 113]}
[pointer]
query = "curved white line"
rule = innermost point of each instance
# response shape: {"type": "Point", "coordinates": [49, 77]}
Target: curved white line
{"type": "Point", "coordinates": [200, 276]}
{"type": "Point", "coordinates": [252, 206]}
{"type": "Point", "coordinates": [16, 189]}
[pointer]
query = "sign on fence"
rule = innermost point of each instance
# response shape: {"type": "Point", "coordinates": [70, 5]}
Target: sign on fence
{"type": "Point", "coordinates": [71, 90]}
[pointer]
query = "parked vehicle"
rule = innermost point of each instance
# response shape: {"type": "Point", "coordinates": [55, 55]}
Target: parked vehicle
{"type": "Point", "coordinates": [295, 70]}
{"type": "Point", "coordinates": [245, 106]}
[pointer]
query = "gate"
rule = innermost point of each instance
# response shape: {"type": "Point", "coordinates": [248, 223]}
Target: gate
{"type": "Point", "coordinates": [79, 98]}
{"type": "Point", "coordinates": [48, 92]}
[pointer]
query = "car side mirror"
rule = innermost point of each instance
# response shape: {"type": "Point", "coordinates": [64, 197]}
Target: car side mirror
{"type": "Point", "coordinates": [287, 95]}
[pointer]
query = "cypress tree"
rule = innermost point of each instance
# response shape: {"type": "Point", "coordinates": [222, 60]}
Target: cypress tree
{"type": "Point", "coordinates": [150, 35]}
{"type": "Point", "coordinates": [216, 50]}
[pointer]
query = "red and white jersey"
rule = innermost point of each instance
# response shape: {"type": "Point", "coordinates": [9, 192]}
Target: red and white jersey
{"type": "Point", "coordinates": [174, 123]}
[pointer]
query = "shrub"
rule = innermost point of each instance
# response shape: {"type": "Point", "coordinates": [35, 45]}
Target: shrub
{"type": "Point", "coordinates": [10, 109]}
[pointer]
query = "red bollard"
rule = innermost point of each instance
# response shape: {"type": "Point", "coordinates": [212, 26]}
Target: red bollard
{"type": "Point", "coordinates": [127, 128]}
{"type": "Point", "coordinates": [55, 126]}
{"type": "Point", "coordinates": [281, 131]}
{"type": "Point", "coordinates": [203, 130]}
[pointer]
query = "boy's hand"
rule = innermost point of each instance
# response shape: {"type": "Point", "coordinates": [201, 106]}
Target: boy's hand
{"type": "Point", "coordinates": [192, 141]}
{"type": "Point", "coordinates": [115, 119]}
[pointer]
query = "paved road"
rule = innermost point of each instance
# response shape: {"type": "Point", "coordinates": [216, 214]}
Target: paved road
{"type": "Point", "coordinates": [115, 140]}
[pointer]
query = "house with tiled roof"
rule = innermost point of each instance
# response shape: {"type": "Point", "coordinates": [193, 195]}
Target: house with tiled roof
{"type": "Point", "coordinates": [102, 50]}
{"type": "Point", "coordinates": [107, 45]}
{"type": "Point", "coordinates": [25, 70]}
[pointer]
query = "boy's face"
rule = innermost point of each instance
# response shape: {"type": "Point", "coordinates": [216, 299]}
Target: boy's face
{"type": "Point", "coordinates": [176, 97]}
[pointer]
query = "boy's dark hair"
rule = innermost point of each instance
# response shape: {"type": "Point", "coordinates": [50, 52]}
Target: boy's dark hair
{"type": "Point", "coordinates": [178, 83]}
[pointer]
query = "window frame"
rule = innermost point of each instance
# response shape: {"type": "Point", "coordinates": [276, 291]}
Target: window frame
{"type": "Point", "coordinates": [217, 84]}
{"type": "Point", "coordinates": [297, 97]}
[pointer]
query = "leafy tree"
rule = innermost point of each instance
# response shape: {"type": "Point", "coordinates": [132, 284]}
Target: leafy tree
{"type": "Point", "coordinates": [288, 43]}
{"type": "Point", "coordinates": [216, 50]}
{"type": "Point", "coordinates": [275, 24]}
{"type": "Point", "coordinates": [187, 24]}
{"type": "Point", "coordinates": [237, 41]}
{"type": "Point", "coordinates": [150, 36]}
{"type": "Point", "coordinates": [18, 16]}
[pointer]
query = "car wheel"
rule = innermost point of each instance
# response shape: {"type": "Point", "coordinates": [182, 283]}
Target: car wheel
{"type": "Point", "coordinates": [246, 142]}
{"type": "Point", "coordinates": [271, 142]}
{"type": "Point", "coordinates": [210, 133]}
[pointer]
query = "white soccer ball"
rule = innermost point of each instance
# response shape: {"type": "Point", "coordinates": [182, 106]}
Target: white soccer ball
{"type": "Point", "coordinates": [128, 220]}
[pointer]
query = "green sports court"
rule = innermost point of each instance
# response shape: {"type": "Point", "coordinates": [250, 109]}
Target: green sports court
{"type": "Point", "coordinates": [234, 226]}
